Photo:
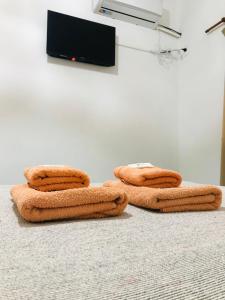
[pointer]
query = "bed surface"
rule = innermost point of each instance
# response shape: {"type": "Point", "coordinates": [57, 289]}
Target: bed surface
{"type": "Point", "coordinates": [140, 255]}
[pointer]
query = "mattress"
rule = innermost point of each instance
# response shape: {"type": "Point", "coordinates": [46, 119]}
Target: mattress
{"type": "Point", "coordinates": [139, 255]}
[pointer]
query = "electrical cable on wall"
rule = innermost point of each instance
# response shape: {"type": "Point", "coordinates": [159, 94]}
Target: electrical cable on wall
{"type": "Point", "coordinates": [165, 56]}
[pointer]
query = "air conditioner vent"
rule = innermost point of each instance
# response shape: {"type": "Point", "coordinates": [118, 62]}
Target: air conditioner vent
{"type": "Point", "coordinates": [124, 11]}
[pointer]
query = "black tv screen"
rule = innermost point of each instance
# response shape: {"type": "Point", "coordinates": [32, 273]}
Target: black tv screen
{"type": "Point", "coordinates": [80, 40]}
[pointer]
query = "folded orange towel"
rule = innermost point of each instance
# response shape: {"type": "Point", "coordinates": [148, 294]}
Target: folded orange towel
{"type": "Point", "coordinates": [195, 198]}
{"type": "Point", "coordinates": [55, 178]}
{"type": "Point", "coordinates": [92, 202]}
{"type": "Point", "coordinates": [151, 177]}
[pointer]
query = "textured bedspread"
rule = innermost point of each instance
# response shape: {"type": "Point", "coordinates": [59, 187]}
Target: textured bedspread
{"type": "Point", "coordinates": [140, 255]}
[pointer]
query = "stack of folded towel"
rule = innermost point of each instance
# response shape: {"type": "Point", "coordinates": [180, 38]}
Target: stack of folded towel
{"type": "Point", "coordinates": [61, 192]}
{"type": "Point", "coordinates": [159, 189]}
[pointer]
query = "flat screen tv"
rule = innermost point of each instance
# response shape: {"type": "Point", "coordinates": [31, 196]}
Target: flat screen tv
{"type": "Point", "coordinates": [80, 40]}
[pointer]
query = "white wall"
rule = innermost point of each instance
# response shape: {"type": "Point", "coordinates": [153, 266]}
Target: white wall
{"type": "Point", "coordinates": [201, 91]}
{"type": "Point", "coordinates": [94, 118]}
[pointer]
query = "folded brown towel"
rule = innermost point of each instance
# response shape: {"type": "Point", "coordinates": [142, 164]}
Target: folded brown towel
{"type": "Point", "coordinates": [195, 198]}
{"type": "Point", "coordinates": [92, 202]}
{"type": "Point", "coordinates": [152, 177]}
{"type": "Point", "coordinates": [55, 178]}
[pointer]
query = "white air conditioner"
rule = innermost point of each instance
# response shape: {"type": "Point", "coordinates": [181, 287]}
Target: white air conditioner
{"type": "Point", "coordinates": [146, 13]}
